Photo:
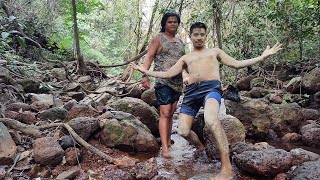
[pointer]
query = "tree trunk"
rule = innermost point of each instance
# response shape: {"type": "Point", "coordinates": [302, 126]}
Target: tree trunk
{"type": "Point", "coordinates": [78, 56]}
{"type": "Point", "coordinates": [217, 21]}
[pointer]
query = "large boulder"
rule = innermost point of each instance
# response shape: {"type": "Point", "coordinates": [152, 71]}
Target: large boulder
{"type": "Point", "coordinates": [126, 132]}
{"type": "Point", "coordinates": [144, 112]}
{"type": "Point", "coordinates": [268, 162]}
{"type": "Point", "coordinates": [308, 170]}
{"type": "Point", "coordinates": [311, 81]}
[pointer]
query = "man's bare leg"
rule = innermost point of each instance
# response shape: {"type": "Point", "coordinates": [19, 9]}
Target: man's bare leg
{"type": "Point", "coordinates": [164, 124]}
{"type": "Point", "coordinates": [211, 110]}
{"type": "Point", "coordinates": [184, 129]}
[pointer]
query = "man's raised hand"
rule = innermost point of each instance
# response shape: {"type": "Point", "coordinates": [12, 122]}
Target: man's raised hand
{"type": "Point", "coordinates": [270, 51]}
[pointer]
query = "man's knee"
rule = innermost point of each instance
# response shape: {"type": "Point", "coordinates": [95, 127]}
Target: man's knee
{"type": "Point", "coordinates": [211, 122]}
{"type": "Point", "coordinates": [184, 132]}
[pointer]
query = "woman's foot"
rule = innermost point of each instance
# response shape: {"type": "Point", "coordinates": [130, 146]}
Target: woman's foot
{"type": "Point", "coordinates": [166, 154]}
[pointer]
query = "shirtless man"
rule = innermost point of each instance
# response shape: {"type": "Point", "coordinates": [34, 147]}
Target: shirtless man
{"type": "Point", "coordinates": [204, 89]}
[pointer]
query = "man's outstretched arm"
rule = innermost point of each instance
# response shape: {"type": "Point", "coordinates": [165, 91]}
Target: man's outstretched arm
{"type": "Point", "coordinates": [173, 71]}
{"type": "Point", "coordinates": [230, 61]}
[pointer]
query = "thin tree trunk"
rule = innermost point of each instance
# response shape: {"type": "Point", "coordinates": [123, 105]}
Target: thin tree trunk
{"type": "Point", "coordinates": [138, 28]}
{"type": "Point", "coordinates": [217, 21]}
{"type": "Point", "coordinates": [180, 8]}
{"type": "Point", "coordinates": [79, 57]}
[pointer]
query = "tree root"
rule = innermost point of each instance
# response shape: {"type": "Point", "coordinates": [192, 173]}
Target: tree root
{"type": "Point", "coordinates": [35, 132]}
{"type": "Point", "coordinates": [80, 141]}
{"type": "Point", "coordinates": [24, 128]}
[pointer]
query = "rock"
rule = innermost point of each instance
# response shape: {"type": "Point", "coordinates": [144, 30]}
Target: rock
{"type": "Point", "coordinates": [81, 110]}
{"type": "Point", "coordinates": [8, 148]}
{"type": "Point", "coordinates": [149, 96]}
{"type": "Point", "coordinates": [300, 156]}
{"type": "Point", "coordinates": [69, 174]}
{"type": "Point", "coordinates": [47, 151]}
{"type": "Point", "coordinates": [291, 137]}
{"type": "Point", "coordinates": [293, 86]}
{"type": "Point", "coordinates": [66, 142]}
{"type": "Point", "coordinates": [53, 114]}
{"type": "Point", "coordinates": [84, 126]}
{"type": "Point", "coordinates": [244, 83]}
{"type": "Point", "coordinates": [40, 106]}
{"type": "Point", "coordinates": [129, 134]}
{"type": "Point", "coordinates": [308, 170]}
{"type": "Point", "coordinates": [2, 173]}
{"type": "Point", "coordinates": [18, 106]}
{"type": "Point", "coordinates": [73, 155]}
{"type": "Point", "coordinates": [78, 96]}
{"type": "Point", "coordinates": [138, 108]}
{"type": "Point", "coordinates": [73, 86]}
{"type": "Point", "coordinates": [45, 98]}
{"type": "Point", "coordinates": [59, 73]}
{"type": "Point", "coordinates": [30, 85]}
{"type": "Point", "coordinates": [147, 169]}
{"type": "Point", "coordinates": [311, 81]}
{"type": "Point", "coordinates": [133, 91]}
{"type": "Point", "coordinates": [275, 99]}
{"type": "Point", "coordinates": [269, 162]}
{"type": "Point", "coordinates": [312, 137]}
{"type": "Point", "coordinates": [310, 114]}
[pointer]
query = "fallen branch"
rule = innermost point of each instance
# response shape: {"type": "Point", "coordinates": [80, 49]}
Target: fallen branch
{"type": "Point", "coordinates": [24, 128]}
{"type": "Point", "coordinates": [80, 141]}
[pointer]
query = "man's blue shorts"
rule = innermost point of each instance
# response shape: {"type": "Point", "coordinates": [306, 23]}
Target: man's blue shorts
{"type": "Point", "coordinates": [166, 95]}
{"type": "Point", "coordinates": [197, 93]}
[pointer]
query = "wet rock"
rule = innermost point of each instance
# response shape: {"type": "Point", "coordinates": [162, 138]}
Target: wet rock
{"type": "Point", "coordinates": [73, 155]}
{"type": "Point", "coordinates": [310, 81]}
{"type": "Point", "coordinates": [300, 156]}
{"type": "Point", "coordinates": [149, 96]}
{"type": "Point", "coordinates": [291, 137]}
{"type": "Point", "coordinates": [308, 170]}
{"type": "Point", "coordinates": [84, 126]}
{"type": "Point", "coordinates": [53, 114]}
{"type": "Point", "coordinates": [118, 174]}
{"type": "Point", "coordinates": [47, 151]}
{"type": "Point", "coordinates": [145, 113]}
{"type": "Point", "coordinates": [147, 169]}
{"type": "Point", "coordinates": [244, 83]}
{"type": "Point", "coordinates": [269, 162]}
{"type": "Point", "coordinates": [18, 106]}
{"type": "Point", "coordinates": [8, 148]}
{"type": "Point", "coordinates": [81, 110]}
{"type": "Point", "coordinates": [129, 134]}
{"type": "Point", "coordinates": [70, 173]}
{"type": "Point", "coordinates": [45, 98]}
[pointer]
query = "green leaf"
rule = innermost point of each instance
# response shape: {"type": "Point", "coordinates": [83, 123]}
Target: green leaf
{"type": "Point", "coordinates": [22, 42]}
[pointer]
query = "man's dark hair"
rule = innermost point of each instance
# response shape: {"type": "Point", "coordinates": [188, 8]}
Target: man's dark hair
{"type": "Point", "coordinates": [198, 25]}
{"type": "Point", "coordinates": [165, 18]}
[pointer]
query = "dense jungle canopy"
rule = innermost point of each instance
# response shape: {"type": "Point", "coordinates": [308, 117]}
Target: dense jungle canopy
{"type": "Point", "coordinates": [115, 31]}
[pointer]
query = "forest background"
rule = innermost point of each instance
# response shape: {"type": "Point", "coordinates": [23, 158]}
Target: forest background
{"type": "Point", "coordinates": [115, 31]}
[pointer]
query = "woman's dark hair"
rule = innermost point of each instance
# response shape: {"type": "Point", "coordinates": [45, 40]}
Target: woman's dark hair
{"type": "Point", "coordinates": [198, 25]}
{"type": "Point", "coordinates": [165, 18]}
